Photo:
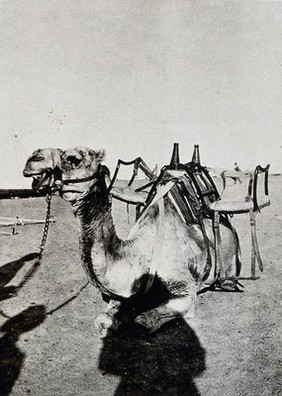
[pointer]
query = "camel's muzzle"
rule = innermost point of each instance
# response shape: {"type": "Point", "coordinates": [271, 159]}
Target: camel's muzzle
{"type": "Point", "coordinates": [52, 179]}
{"type": "Point", "coordinates": [40, 180]}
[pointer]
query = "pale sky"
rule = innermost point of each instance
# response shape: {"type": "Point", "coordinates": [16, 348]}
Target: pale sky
{"type": "Point", "coordinates": [133, 77]}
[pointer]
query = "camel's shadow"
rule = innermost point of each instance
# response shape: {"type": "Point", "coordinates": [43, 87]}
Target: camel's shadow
{"type": "Point", "coordinates": [163, 363]}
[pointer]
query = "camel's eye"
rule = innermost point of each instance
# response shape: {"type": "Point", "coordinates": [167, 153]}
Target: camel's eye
{"type": "Point", "coordinates": [73, 160]}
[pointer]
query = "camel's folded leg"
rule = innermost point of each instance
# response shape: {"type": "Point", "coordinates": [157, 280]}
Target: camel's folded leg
{"type": "Point", "coordinates": [107, 320]}
{"type": "Point", "coordinates": [183, 306]}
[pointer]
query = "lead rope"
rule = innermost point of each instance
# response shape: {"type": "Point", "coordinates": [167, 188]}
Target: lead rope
{"type": "Point", "coordinates": [38, 261]}
{"type": "Point", "coordinates": [42, 246]}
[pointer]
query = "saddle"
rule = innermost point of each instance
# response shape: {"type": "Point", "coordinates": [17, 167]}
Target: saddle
{"type": "Point", "coordinates": [192, 193]}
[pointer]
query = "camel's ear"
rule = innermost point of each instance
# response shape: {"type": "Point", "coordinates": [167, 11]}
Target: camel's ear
{"type": "Point", "coordinates": [98, 156]}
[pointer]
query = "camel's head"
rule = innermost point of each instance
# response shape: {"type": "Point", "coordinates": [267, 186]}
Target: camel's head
{"type": "Point", "coordinates": [79, 168]}
{"type": "Point", "coordinates": [41, 165]}
{"type": "Point", "coordinates": [70, 171]}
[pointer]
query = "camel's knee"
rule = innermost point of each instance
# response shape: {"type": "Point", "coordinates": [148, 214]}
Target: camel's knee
{"type": "Point", "coordinates": [148, 320]}
{"type": "Point", "coordinates": [103, 323]}
{"type": "Point", "coordinates": [113, 308]}
{"type": "Point", "coordinates": [108, 319]}
{"type": "Point", "coordinates": [183, 306]}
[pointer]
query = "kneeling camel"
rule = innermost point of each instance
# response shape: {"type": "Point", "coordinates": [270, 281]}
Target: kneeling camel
{"type": "Point", "coordinates": [161, 249]}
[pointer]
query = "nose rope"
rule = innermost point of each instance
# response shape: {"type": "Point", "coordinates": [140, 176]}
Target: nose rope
{"type": "Point", "coordinates": [63, 304]}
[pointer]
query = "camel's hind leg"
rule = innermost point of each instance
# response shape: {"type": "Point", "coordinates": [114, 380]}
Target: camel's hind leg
{"type": "Point", "coordinates": [183, 306]}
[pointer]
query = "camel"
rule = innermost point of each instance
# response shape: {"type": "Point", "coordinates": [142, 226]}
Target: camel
{"type": "Point", "coordinates": [161, 249]}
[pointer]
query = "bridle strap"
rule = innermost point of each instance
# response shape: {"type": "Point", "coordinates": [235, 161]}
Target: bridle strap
{"type": "Point", "coordinates": [58, 176]}
{"type": "Point", "coordinates": [79, 180]}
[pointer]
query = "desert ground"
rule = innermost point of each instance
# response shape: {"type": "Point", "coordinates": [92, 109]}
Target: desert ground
{"type": "Point", "coordinates": [50, 347]}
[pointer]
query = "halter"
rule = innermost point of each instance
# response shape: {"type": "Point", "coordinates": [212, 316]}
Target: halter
{"type": "Point", "coordinates": [57, 181]}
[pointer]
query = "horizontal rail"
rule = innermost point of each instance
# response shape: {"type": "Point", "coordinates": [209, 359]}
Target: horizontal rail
{"type": "Point", "coordinates": [20, 193]}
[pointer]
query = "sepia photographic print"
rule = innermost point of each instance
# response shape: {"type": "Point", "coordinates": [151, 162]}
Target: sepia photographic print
{"type": "Point", "coordinates": [140, 197]}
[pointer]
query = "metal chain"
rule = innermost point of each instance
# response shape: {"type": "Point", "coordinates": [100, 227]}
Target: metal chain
{"type": "Point", "coordinates": [47, 223]}
{"type": "Point", "coordinates": [37, 263]}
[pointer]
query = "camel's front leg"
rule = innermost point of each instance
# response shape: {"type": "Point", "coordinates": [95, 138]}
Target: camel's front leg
{"type": "Point", "coordinates": [183, 306]}
{"type": "Point", "coordinates": [108, 319]}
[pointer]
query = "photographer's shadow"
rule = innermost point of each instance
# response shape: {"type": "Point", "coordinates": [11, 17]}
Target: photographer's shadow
{"type": "Point", "coordinates": [11, 357]}
{"type": "Point", "coordinates": [9, 271]}
{"type": "Point", "coordinates": [163, 363]}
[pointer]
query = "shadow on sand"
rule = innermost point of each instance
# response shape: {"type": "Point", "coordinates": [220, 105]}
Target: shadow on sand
{"type": "Point", "coordinates": [9, 271]}
{"type": "Point", "coordinates": [11, 357]}
{"type": "Point", "coordinates": [163, 363]}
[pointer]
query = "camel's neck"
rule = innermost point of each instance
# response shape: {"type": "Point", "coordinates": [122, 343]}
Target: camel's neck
{"type": "Point", "coordinates": [99, 243]}
{"type": "Point", "coordinates": [115, 266]}
{"type": "Point", "coordinates": [94, 216]}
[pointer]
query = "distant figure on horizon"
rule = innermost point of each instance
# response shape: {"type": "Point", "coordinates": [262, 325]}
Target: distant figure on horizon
{"type": "Point", "coordinates": [237, 169]}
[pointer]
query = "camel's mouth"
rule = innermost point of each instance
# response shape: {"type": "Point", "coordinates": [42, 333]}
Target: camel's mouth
{"type": "Point", "coordinates": [40, 180]}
